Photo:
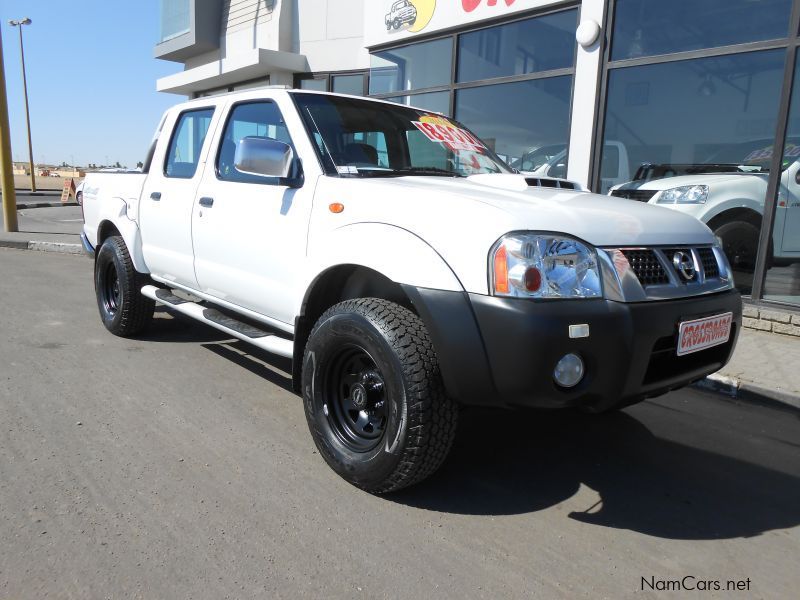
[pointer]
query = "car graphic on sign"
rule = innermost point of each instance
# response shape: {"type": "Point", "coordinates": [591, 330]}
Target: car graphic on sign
{"type": "Point", "coordinates": [401, 13]}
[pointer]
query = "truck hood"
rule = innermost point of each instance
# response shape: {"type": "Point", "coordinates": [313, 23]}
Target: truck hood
{"type": "Point", "coordinates": [462, 218]}
{"type": "Point", "coordinates": [708, 179]}
{"type": "Point", "coordinates": [503, 203]}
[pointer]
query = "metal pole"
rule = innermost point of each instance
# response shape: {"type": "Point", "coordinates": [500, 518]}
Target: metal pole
{"type": "Point", "coordinates": [27, 112]}
{"type": "Point", "coordinates": [9, 196]}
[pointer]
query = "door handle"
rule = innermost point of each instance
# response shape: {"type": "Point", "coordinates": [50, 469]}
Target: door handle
{"type": "Point", "coordinates": [207, 202]}
{"type": "Point", "coordinates": [155, 196]}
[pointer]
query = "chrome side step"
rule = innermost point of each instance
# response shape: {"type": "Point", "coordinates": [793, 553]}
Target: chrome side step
{"type": "Point", "coordinates": [242, 331]}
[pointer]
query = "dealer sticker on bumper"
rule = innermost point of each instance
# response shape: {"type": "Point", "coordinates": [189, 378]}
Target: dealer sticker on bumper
{"type": "Point", "coordinates": [704, 333]}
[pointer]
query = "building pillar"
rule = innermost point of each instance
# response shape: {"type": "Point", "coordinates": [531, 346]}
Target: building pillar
{"type": "Point", "coordinates": [586, 87]}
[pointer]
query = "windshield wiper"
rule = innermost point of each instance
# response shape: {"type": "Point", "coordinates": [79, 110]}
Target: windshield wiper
{"type": "Point", "coordinates": [435, 171]}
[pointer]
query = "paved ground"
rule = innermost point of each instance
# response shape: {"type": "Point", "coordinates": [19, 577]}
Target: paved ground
{"type": "Point", "coordinates": [768, 362]}
{"type": "Point", "coordinates": [178, 466]}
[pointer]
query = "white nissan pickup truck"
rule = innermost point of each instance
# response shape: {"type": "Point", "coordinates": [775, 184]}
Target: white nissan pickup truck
{"type": "Point", "coordinates": [404, 269]}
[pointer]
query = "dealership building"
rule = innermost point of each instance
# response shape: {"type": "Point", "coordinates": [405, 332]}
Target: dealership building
{"type": "Point", "coordinates": [693, 104]}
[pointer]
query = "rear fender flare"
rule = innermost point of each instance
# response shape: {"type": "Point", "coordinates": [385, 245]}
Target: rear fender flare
{"type": "Point", "coordinates": [115, 211]}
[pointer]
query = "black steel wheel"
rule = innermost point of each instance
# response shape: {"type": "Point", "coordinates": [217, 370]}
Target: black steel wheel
{"type": "Point", "coordinates": [740, 244]}
{"type": "Point", "coordinates": [109, 290]}
{"type": "Point", "coordinates": [357, 394]}
{"type": "Point", "coordinates": [373, 395]}
{"type": "Point", "coordinates": [123, 309]}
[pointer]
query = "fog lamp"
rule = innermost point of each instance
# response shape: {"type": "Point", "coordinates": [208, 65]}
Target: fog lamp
{"type": "Point", "coordinates": [569, 371]}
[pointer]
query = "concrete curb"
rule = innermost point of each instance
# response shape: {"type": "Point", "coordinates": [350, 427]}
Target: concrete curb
{"type": "Point", "coordinates": [60, 247]}
{"type": "Point", "coordinates": [26, 205]}
{"type": "Point", "coordinates": [745, 391]}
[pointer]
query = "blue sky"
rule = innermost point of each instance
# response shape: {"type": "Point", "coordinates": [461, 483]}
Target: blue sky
{"type": "Point", "coordinates": [91, 79]}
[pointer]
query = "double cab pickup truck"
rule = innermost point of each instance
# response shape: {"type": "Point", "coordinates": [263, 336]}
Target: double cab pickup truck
{"type": "Point", "coordinates": [404, 269]}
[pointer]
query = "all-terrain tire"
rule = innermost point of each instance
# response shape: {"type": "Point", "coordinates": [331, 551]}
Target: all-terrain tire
{"type": "Point", "coordinates": [407, 427]}
{"type": "Point", "coordinates": [123, 309]}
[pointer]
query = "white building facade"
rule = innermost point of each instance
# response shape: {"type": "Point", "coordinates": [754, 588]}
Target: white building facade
{"type": "Point", "coordinates": [598, 91]}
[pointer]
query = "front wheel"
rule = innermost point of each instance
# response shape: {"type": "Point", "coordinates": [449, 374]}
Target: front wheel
{"type": "Point", "coordinates": [373, 395]}
{"type": "Point", "coordinates": [740, 244]}
{"type": "Point", "coordinates": [123, 309]}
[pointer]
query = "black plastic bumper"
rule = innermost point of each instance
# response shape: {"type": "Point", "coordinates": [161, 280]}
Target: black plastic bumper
{"type": "Point", "coordinates": [500, 351]}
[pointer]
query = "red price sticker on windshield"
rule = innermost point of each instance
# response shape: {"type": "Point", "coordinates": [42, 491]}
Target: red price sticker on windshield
{"type": "Point", "coordinates": [441, 131]}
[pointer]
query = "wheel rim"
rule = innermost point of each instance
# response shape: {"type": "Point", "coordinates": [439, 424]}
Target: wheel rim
{"type": "Point", "coordinates": [740, 249]}
{"type": "Point", "coordinates": [355, 399]}
{"type": "Point", "coordinates": [110, 293]}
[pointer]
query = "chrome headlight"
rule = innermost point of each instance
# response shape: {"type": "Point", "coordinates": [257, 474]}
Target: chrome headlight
{"type": "Point", "coordinates": [528, 265]}
{"type": "Point", "coordinates": [686, 194]}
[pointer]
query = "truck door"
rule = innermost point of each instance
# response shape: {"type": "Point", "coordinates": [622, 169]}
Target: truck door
{"type": "Point", "coordinates": [165, 211]}
{"type": "Point", "coordinates": [249, 233]}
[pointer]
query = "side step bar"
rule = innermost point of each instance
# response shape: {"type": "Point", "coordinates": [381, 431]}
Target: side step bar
{"type": "Point", "coordinates": [242, 331]}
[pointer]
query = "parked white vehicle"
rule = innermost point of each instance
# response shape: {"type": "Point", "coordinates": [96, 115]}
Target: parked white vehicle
{"type": "Point", "coordinates": [79, 192]}
{"type": "Point", "coordinates": [404, 269]}
{"type": "Point", "coordinates": [551, 161]}
{"type": "Point", "coordinates": [728, 195]}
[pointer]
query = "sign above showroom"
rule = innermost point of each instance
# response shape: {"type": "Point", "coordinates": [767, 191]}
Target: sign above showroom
{"type": "Point", "coordinates": [395, 20]}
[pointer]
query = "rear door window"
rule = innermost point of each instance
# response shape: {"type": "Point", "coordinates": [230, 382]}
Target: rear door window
{"type": "Point", "coordinates": [187, 142]}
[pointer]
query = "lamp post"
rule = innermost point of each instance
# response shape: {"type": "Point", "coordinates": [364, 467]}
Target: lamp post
{"type": "Point", "coordinates": [7, 183]}
{"type": "Point", "coordinates": [20, 23]}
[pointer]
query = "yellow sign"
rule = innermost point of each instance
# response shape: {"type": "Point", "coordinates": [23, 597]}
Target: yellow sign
{"type": "Point", "coordinates": [425, 10]}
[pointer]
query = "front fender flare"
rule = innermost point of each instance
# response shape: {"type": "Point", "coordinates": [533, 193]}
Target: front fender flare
{"type": "Point", "coordinates": [392, 251]}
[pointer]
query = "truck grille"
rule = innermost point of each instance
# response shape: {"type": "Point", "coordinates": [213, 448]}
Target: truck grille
{"type": "Point", "coordinates": [650, 265]}
{"type": "Point", "coordinates": [709, 260]}
{"type": "Point", "coordinates": [638, 195]}
{"type": "Point", "coordinates": [646, 266]}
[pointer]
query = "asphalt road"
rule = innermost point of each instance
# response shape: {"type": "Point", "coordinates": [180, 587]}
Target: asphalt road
{"type": "Point", "coordinates": [178, 465]}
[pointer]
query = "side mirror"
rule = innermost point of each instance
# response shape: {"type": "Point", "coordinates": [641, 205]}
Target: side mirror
{"type": "Point", "coordinates": [270, 159]}
{"type": "Point", "coordinates": [797, 177]}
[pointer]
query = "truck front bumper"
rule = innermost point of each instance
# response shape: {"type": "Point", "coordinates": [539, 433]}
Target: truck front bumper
{"type": "Point", "coordinates": [503, 351]}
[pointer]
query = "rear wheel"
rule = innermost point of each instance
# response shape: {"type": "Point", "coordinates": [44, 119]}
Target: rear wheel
{"type": "Point", "coordinates": [373, 396]}
{"type": "Point", "coordinates": [123, 309]}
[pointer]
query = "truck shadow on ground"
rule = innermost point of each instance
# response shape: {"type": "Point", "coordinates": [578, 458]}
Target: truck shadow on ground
{"type": "Point", "coordinates": [517, 462]}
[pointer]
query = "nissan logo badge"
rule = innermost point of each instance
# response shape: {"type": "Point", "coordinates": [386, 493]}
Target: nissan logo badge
{"type": "Point", "coordinates": [684, 264]}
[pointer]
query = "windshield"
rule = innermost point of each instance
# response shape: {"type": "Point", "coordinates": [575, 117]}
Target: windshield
{"type": "Point", "coordinates": [363, 138]}
{"type": "Point", "coordinates": [756, 155]}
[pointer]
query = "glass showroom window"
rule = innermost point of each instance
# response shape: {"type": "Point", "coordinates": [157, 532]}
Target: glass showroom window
{"type": "Point", "coordinates": [693, 100]}
{"type": "Point", "coordinates": [175, 18]}
{"type": "Point", "coordinates": [544, 43]}
{"type": "Point", "coordinates": [522, 121]}
{"type": "Point", "coordinates": [782, 282]}
{"type": "Point", "coordinates": [417, 66]}
{"type": "Point", "coordinates": [648, 28]}
{"type": "Point", "coordinates": [693, 135]}
{"type": "Point", "coordinates": [435, 101]}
